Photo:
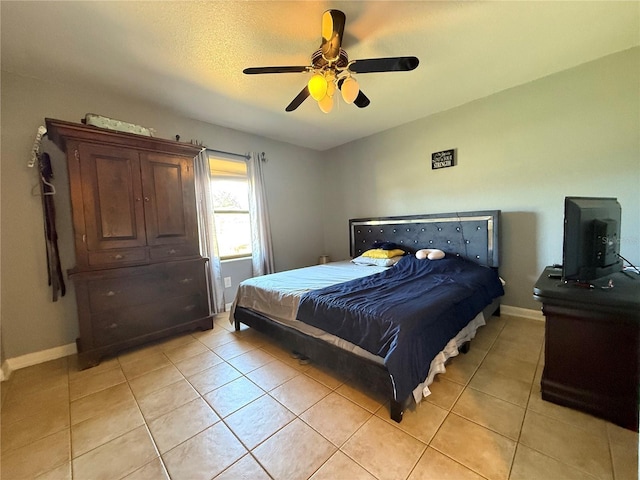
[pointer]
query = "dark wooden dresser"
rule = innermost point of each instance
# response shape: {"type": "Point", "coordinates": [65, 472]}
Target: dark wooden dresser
{"type": "Point", "coordinates": [592, 345]}
{"type": "Point", "coordinates": [139, 275]}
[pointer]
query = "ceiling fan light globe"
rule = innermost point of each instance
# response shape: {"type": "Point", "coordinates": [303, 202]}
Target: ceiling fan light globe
{"type": "Point", "coordinates": [331, 88]}
{"type": "Point", "coordinates": [317, 87]}
{"type": "Point", "coordinates": [350, 90]}
{"type": "Point", "coordinates": [326, 104]}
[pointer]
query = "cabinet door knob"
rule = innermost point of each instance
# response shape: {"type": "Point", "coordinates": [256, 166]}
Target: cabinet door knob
{"type": "Point", "coordinates": [171, 252]}
{"type": "Point", "coordinates": [146, 199]}
{"type": "Point", "coordinates": [110, 293]}
{"type": "Point", "coordinates": [188, 308]}
{"type": "Point", "coordinates": [186, 280]}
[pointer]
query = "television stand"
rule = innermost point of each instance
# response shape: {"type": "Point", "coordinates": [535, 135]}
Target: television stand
{"type": "Point", "coordinates": [592, 345]}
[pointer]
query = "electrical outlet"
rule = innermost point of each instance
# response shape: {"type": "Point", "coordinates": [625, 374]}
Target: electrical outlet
{"type": "Point", "coordinates": [227, 282]}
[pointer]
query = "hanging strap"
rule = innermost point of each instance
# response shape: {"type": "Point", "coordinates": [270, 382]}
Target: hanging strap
{"type": "Point", "coordinates": [47, 190]}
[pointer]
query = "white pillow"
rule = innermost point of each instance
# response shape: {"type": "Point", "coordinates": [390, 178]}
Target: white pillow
{"type": "Point", "coordinates": [378, 262]}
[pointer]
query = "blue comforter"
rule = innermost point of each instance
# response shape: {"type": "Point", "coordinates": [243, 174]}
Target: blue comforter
{"type": "Point", "coordinates": [406, 314]}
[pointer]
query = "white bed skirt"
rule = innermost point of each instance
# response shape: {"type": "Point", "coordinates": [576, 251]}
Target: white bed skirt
{"type": "Point", "coordinates": [450, 350]}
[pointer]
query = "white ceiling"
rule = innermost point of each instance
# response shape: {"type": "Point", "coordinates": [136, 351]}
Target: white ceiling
{"type": "Point", "coordinates": [189, 56]}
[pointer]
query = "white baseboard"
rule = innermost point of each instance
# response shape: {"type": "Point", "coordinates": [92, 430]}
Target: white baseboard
{"type": "Point", "coordinates": [34, 358]}
{"type": "Point", "coordinates": [522, 312]}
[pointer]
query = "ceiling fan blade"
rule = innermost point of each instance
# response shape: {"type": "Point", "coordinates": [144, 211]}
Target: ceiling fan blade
{"type": "Point", "coordinates": [361, 100]}
{"type": "Point", "coordinates": [296, 102]}
{"type": "Point", "coordinates": [332, 31]}
{"type": "Point", "coordinates": [259, 70]}
{"type": "Point", "coordinates": [391, 64]}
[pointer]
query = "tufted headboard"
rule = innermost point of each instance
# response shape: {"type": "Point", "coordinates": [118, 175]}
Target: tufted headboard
{"type": "Point", "coordinates": [472, 235]}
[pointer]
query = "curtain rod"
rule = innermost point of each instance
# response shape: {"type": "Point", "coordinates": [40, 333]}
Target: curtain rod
{"type": "Point", "coordinates": [246, 157]}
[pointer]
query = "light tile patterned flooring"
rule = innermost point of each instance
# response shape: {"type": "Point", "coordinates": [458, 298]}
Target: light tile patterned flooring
{"type": "Point", "coordinates": [227, 405]}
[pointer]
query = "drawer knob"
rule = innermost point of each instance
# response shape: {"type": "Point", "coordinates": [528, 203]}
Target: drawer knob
{"type": "Point", "coordinates": [188, 308]}
{"type": "Point", "coordinates": [172, 252]}
{"type": "Point", "coordinates": [118, 256]}
{"type": "Point", "coordinates": [110, 293]}
{"type": "Point", "coordinates": [186, 280]}
{"type": "Point", "coordinates": [113, 325]}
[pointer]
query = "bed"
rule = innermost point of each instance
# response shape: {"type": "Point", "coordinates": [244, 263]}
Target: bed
{"type": "Point", "coordinates": [390, 328]}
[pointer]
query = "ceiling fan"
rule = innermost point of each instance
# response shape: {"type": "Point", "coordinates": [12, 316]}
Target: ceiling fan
{"type": "Point", "coordinates": [332, 70]}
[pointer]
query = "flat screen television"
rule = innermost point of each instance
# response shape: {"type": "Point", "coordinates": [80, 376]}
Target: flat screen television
{"type": "Point", "coordinates": [591, 245]}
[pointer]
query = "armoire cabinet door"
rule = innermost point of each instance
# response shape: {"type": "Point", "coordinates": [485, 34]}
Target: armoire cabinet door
{"type": "Point", "coordinates": [112, 197]}
{"type": "Point", "coordinates": [169, 205]}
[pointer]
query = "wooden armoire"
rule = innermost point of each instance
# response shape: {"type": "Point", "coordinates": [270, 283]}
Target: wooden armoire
{"type": "Point", "coordinates": [139, 275]}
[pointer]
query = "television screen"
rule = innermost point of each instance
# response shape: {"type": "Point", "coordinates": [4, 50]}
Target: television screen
{"type": "Point", "coordinates": [591, 244]}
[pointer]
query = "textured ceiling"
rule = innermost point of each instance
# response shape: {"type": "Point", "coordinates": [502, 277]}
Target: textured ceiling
{"type": "Point", "coordinates": [189, 56]}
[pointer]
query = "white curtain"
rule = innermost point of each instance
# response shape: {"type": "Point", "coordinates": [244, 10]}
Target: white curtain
{"type": "Point", "coordinates": [261, 244]}
{"type": "Point", "coordinates": [206, 227]}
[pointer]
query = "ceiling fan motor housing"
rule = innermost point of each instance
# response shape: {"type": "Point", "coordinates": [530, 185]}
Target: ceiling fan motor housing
{"type": "Point", "coordinates": [318, 60]}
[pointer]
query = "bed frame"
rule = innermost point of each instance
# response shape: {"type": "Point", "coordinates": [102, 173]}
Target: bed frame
{"type": "Point", "coordinates": [472, 235]}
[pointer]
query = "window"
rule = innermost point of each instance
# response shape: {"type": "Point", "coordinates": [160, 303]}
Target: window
{"type": "Point", "coordinates": [230, 187]}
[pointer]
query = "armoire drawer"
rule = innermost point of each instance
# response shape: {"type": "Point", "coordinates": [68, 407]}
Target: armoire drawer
{"type": "Point", "coordinates": [152, 283]}
{"type": "Point", "coordinates": [138, 320]}
{"type": "Point", "coordinates": [112, 258]}
{"type": "Point", "coordinates": [167, 252]}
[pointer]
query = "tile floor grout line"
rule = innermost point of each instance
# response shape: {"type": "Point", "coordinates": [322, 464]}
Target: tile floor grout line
{"type": "Point", "coordinates": [71, 468]}
{"type": "Point", "coordinates": [613, 470]}
{"type": "Point", "coordinates": [250, 450]}
{"type": "Point", "coordinates": [417, 461]}
{"type": "Point", "coordinates": [451, 412]}
{"type": "Point", "coordinates": [339, 447]}
{"type": "Point", "coordinates": [557, 458]}
{"type": "Point", "coordinates": [475, 389]}
{"type": "Point", "coordinates": [146, 424]}
{"type": "Point", "coordinates": [13, 449]}
{"type": "Point", "coordinates": [451, 458]}
{"type": "Point", "coordinates": [252, 401]}
{"type": "Point", "coordinates": [71, 457]}
{"type": "Point", "coordinates": [159, 457]}
{"type": "Point", "coordinates": [526, 409]}
{"type": "Point", "coordinates": [201, 397]}
{"type": "Point", "coordinates": [264, 468]}
{"type": "Point", "coordinates": [350, 437]}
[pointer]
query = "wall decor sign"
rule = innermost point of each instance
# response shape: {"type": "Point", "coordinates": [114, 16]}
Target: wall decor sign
{"type": "Point", "coordinates": [443, 159]}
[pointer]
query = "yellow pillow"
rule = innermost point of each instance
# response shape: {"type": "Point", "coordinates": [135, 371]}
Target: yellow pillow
{"type": "Point", "coordinates": [380, 253]}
